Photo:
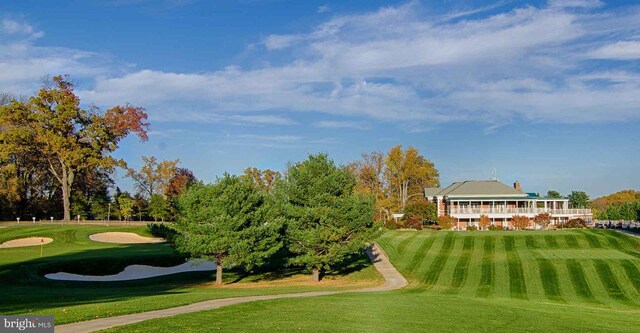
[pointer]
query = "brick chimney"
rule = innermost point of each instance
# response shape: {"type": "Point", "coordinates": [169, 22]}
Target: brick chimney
{"type": "Point", "coordinates": [517, 186]}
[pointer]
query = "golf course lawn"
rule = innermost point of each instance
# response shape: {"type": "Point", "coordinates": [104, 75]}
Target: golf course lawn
{"type": "Point", "coordinates": [503, 281]}
{"type": "Point", "coordinates": [26, 291]}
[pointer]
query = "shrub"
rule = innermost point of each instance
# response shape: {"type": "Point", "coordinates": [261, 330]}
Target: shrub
{"type": "Point", "coordinates": [391, 225]}
{"type": "Point", "coordinates": [542, 219]}
{"type": "Point", "coordinates": [520, 222]}
{"type": "Point", "coordinates": [446, 222]}
{"type": "Point", "coordinates": [496, 227]}
{"type": "Point", "coordinates": [162, 231]}
{"type": "Point", "coordinates": [435, 227]}
{"type": "Point", "coordinates": [485, 222]}
{"type": "Point", "coordinates": [575, 223]}
{"type": "Point", "coordinates": [411, 223]}
{"type": "Point", "coordinates": [472, 228]}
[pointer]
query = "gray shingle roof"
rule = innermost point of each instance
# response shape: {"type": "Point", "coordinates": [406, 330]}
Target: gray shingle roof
{"type": "Point", "coordinates": [473, 188]}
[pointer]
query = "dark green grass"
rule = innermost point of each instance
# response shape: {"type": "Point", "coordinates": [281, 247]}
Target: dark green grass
{"type": "Point", "coordinates": [549, 277]}
{"type": "Point", "coordinates": [26, 291]}
{"type": "Point", "coordinates": [592, 240]}
{"type": "Point", "coordinates": [462, 266]}
{"type": "Point", "coordinates": [432, 274]}
{"type": "Point", "coordinates": [609, 280]}
{"type": "Point", "coordinates": [488, 270]}
{"type": "Point", "coordinates": [572, 241]}
{"type": "Point", "coordinates": [531, 242]}
{"type": "Point", "coordinates": [632, 272]}
{"type": "Point", "coordinates": [517, 286]}
{"type": "Point", "coordinates": [580, 284]}
{"type": "Point", "coordinates": [551, 241]}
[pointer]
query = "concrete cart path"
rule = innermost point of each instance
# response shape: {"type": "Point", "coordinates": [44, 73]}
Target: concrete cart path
{"type": "Point", "coordinates": [393, 280]}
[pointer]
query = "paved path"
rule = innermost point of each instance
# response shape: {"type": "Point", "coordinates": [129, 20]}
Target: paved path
{"type": "Point", "coordinates": [627, 232]}
{"type": "Point", "coordinates": [393, 280]}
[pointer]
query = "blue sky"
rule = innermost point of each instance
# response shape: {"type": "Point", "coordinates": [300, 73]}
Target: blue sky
{"type": "Point", "coordinates": [546, 92]}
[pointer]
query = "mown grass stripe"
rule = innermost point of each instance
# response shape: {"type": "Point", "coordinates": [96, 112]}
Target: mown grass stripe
{"type": "Point", "coordinates": [579, 281]}
{"type": "Point", "coordinates": [572, 241]}
{"type": "Point", "coordinates": [609, 280]}
{"type": "Point", "coordinates": [592, 240]}
{"type": "Point", "coordinates": [551, 241]}
{"type": "Point", "coordinates": [632, 272]}
{"type": "Point", "coordinates": [517, 286]}
{"type": "Point", "coordinates": [487, 278]}
{"type": "Point", "coordinates": [432, 274]}
{"type": "Point", "coordinates": [462, 266]}
{"type": "Point", "coordinates": [402, 246]}
{"type": "Point", "coordinates": [531, 242]}
{"type": "Point", "coordinates": [549, 277]}
{"type": "Point", "coordinates": [420, 254]}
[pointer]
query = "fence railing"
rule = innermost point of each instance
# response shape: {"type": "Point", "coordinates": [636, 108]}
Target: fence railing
{"type": "Point", "coordinates": [498, 210]}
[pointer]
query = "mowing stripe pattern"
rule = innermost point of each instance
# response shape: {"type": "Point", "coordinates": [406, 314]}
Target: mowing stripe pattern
{"type": "Point", "coordinates": [583, 267]}
{"type": "Point", "coordinates": [487, 279]}
{"type": "Point", "coordinates": [462, 266]}
{"type": "Point", "coordinates": [517, 286]}
{"type": "Point", "coordinates": [579, 281]}
{"type": "Point", "coordinates": [435, 269]}
{"type": "Point", "coordinates": [549, 276]}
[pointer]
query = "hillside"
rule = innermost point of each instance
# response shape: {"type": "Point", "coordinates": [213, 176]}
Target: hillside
{"type": "Point", "coordinates": [595, 267]}
{"type": "Point", "coordinates": [603, 202]}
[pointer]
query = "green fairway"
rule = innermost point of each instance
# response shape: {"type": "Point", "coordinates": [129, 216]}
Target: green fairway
{"type": "Point", "coordinates": [566, 280]}
{"type": "Point", "coordinates": [26, 291]}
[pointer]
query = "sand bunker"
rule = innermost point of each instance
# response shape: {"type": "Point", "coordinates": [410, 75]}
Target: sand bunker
{"type": "Point", "coordinates": [30, 241]}
{"type": "Point", "coordinates": [135, 272]}
{"type": "Point", "coordinates": [123, 238]}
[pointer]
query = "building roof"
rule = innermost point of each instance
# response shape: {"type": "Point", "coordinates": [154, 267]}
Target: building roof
{"type": "Point", "coordinates": [476, 188]}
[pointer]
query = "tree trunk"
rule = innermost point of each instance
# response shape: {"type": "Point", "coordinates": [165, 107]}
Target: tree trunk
{"type": "Point", "coordinates": [66, 198]}
{"type": "Point", "coordinates": [219, 272]}
{"type": "Point", "coordinates": [317, 274]}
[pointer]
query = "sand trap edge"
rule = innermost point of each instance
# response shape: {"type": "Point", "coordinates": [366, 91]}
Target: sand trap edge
{"type": "Point", "coordinates": [123, 238]}
{"type": "Point", "coordinates": [24, 242]}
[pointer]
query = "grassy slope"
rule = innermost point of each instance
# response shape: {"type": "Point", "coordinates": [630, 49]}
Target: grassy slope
{"type": "Point", "coordinates": [569, 280]}
{"type": "Point", "coordinates": [26, 291]}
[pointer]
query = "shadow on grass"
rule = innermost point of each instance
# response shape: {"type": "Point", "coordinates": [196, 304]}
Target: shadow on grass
{"type": "Point", "coordinates": [25, 289]}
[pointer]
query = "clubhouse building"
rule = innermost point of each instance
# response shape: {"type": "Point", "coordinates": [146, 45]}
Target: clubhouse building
{"type": "Point", "coordinates": [467, 201]}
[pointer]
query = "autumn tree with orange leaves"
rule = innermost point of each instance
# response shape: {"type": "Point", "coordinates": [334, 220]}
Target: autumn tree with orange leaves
{"type": "Point", "coordinates": [66, 138]}
{"type": "Point", "coordinates": [520, 222]}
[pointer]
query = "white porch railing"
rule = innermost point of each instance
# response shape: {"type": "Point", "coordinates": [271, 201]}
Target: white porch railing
{"type": "Point", "coordinates": [498, 210]}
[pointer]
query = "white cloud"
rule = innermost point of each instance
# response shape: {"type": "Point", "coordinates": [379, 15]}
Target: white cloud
{"type": "Point", "coordinates": [323, 9]}
{"type": "Point", "coordinates": [575, 3]}
{"type": "Point", "coordinates": [343, 124]}
{"type": "Point", "coordinates": [394, 64]}
{"type": "Point", "coordinates": [14, 27]}
{"type": "Point", "coordinates": [628, 50]}
{"type": "Point", "coordinates": [278, 42]}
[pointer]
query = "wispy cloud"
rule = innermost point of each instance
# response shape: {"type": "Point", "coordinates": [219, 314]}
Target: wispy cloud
{"type": "Point", "coordinates": [623, 50]}
{"type": "Point", "coordinates": [323, 9]}
{"type": "Point", "coordinates": [343, 124]}
{"type": "Point", "coordinates": [395, 64]}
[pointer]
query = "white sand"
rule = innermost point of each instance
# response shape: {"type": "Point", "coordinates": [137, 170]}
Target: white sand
{"type": "Point", "coordinates": [30, 241]}
{"type": "Point", "coordinates": [135, 272]}
{"type": "Point", "coordinates": [123, 238]}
